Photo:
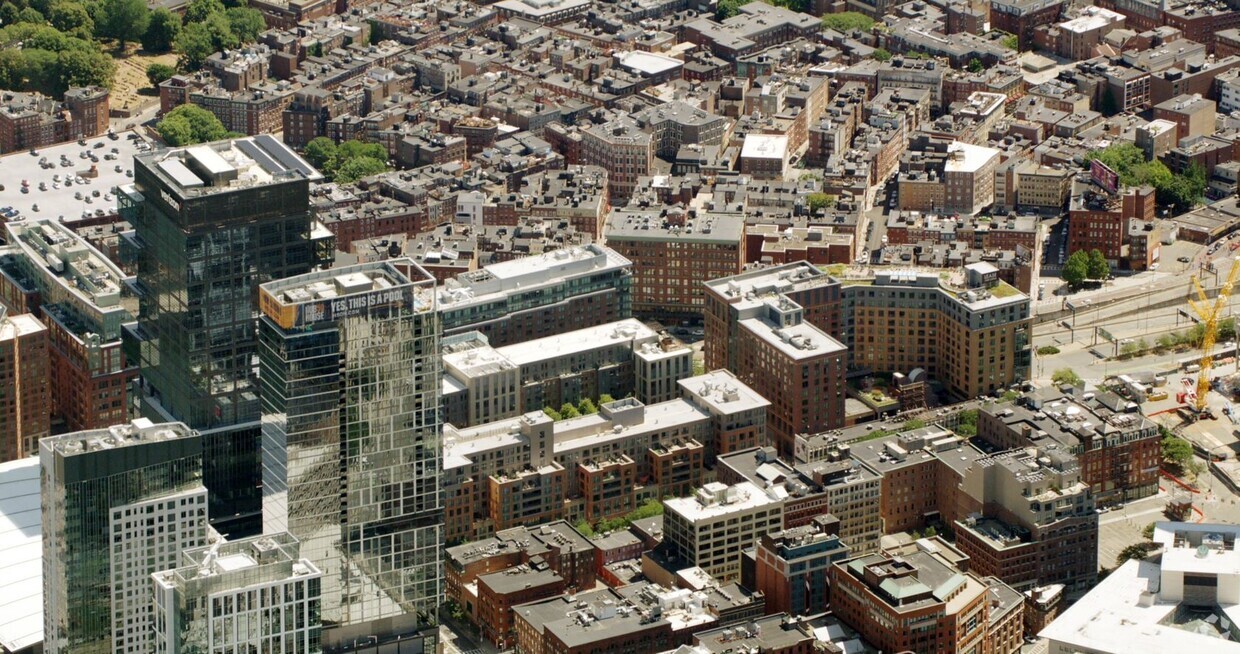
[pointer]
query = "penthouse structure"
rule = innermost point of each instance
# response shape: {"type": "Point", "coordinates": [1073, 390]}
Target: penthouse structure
{"type": "Point", "coordinates": [350, 370]}
{"type": "Point", "coordinates": [922, 601]}
{"type": "Point", "coordinates": [24, 370]}
{"type": "Point", "coordinates": [769, 341]}
{"type": "Point", "coordinates": [80, 301]}
{"type": "Point", "coordinates": [709, 529]}
{"type": "Point", "coordinates": [1118, 452]}
{"type": "Point", "coordinates": [674, 253]}
{"type": "Point", "coordinates": [260, 579]}
{"type": "Point", "coordinates": [484, 384]}
{"type": "Point", "coordinates": [533, 470]}
{"type": "Point", "coordinates": [539, 296]}
{"type": "Point", "coordinates": [119, 504]}
{"type": "Point", "coordinates": [211, 223]}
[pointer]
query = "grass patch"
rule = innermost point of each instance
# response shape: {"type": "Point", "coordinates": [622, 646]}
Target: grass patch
{"type": "Point", "coordinates": [1004, 289]}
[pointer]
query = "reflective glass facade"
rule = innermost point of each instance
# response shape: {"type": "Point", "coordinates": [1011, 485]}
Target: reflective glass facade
{"type": "Point", "coordinates": [350, 373]}
{"type": "Point", "coordinates": [99, 519]}
{"type": "Point", "coordinates": [201, 253]}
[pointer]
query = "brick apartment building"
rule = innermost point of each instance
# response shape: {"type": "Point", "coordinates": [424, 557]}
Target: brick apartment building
{"type": "Point", "coordinates": [32, 120]}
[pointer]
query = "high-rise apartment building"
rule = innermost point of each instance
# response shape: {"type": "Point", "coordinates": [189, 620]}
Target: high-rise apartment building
{"type": "Point", "coordinates": [211, 223]}
{"type": "Point", "coordinates": [119, 504]}
{"type": "Point", "coordinates": [82, 305]}
{"type": "Point", "coordinates": [258, 584]}
{"type": "Point", "coordinates": [538, 296]}
{"type": "Point", "coordinates": [350, 372]}
{"type": "Point", "coordinates": [23, 385]}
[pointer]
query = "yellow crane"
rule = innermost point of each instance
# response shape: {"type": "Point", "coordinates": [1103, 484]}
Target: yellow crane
{"type": "Point", "coordinates": [1209, 315]}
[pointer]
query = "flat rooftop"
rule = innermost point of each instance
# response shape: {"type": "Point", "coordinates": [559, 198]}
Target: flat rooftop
{"type": "Point", "coordinates": [648, 62]}
{"type": "Point", "coordinates": [723, 392]}
{"type": "Point", "coordinates": [765, 146]}
{"type": "Point", "coordinates": [727, 500]}
{"type": "Point", "coordinates": [77, 267]}
{"type": "Point", "coordinates": [799, 341]}
{"type": "Point", "coordinates": [343, 291]}
{"type": "Point", "coordinates": [967, 158]}
{"type": "Point", "coordinates": [630, 331]}
{"type": "Point", "coordinates": [525, 273]}
{"type": "Point", "coordinates": [21, 568]}
{"type": "Point", "coordinates": [229, 165]}
{"type": "Point", "coordinates": [138, 432]}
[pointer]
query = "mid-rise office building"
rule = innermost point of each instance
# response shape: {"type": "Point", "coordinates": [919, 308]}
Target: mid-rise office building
{"type": "Point", "coordinates": [791, 567]}
{"type": "Point", "coordinates": [24, 371]}
{"type": "Point", "coordinates": [119, 504]}
{"type": "Point", "coordinates": [710, 529]}
{"type": "Point", "coordinates": [258, 585]}
{"type": "Point", "coordinates": [539, 296]}
{"type": "Point", "coordinates": [211, 223]}
{"type": "Point", "coordinates": [82, 304]}
{"type": "Point", "coordinates": [350, 371]}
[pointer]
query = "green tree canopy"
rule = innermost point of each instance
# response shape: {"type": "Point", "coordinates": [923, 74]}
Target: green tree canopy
{"type": "Point", "coordinates": [967, 423]}
{"type": "Point", "coordinates": [817, 201]}
{"type": "Point", "coordinates": [975, 65]}
{"type": "Point", "coordinates": [157, 73]}
{"type": "Point", "coordinates": [1098, 266]}
{"type": "Point", "coordinates": [728, 8]}
{"type": "Point", "coordinates": [881, 54]}
{"type": "Point", "coordinates": [83, 68]}
{"type": "Point", "coordinates": [1076, 269]}
{"type": "Point", "coordinates": [360, 167]}
{"type": "Point", "coordinates": [199, 10]}
{"type": "Point", "coordinates": [1181, 192]}
{"type": "Point", "coordinates": [161, 31]}
{"type": "Point", "coordinates": [320, 152]}
{"type": "Point", "coordinates": [847, 21]}
{"type": "Point", "coordinates": [188, 124]}
{"type": "Point", "coordinates": [200, 40]}
{"type": "Point", "coordinates": [1176, 450]}
{"type": "Point", "coordinates": [1067, 376]}
{"type": "Point", "coordinates": [246, 23]}
{"type": "Point", "coordinates": [72, 18]}
{"type": "Point", "coordinates": [586, 407]}
{"type": "Point", "coordinates": [567, 410]}
{"type": "Point", "coordinates": [123, 20]}
{"type": "Point", "coordinates": [1136, 551]}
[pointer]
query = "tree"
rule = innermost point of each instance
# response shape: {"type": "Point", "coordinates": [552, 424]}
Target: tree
{"type": "Point", "coordinates": [728, 8]}
{"type": "Point", "coordinates": [880, 54]}
{"type": "Point", "coordinates": [912, 424]}
{"type": "Point", "coordinates": [586, 407]}
{"type": "Point", "coordinates": [321, 153]}
{"type": "Point", "coordinates": [31, 15]}
{"type": "Point", "coordinates": [161, 31]}
{"type": "Point", "coordinates": [553, 414]}
{"type": "Point", "coordinates": [1067, 376]}
{"type": "Point", "coordinates": [199, 10]}
{"type": "Point", "coordinates": [1128, 349]}
{"type": "Point", "coordinates": [1227, 329]}
{"type": "Point", "coordinates": [1098, 266]}
{"type": "Point", "coordinates": [1148, 532]}
{"type": "Point", "coordinates": [353, 149]}
{"type": "Point", "coordinates": [583, 527]}
{"type": "Point", "coordinates": [123, 20]}
{"type": "Point", "coordinates": [188, 124]}
{"type": "Point", "coordinates": [1076, 269]}
{"type": "Point", "coordinates": [569, 411]}
{"type": "Point", "coordinates": [1136, 551]}
{"type": "Point", "coordinates": [197, 41]}
{"type": "Point", "coordinates": [157, 73]}
{"type": "Point", "coordinates": [1176, 450]}
{"type": "Point", "coordinates": [359, 167]}
{"type": "Point", "coordinates": [83, 68]}
{"type": "Point", "coordinates": [246, 23]}
{"type": "Point", "coordinates": [1165, 342]}
{"type": "Point", "coordinates": [1011, 42]}
{"type": "Point", "coordinates": [966, 423]}
{"type": "Point", "coordinates": [1047, 350]}
{"type": "Point", "coordinates": [72, 18]}
{"type": "Point", "coordinates": [818, 201]}
{"type": "Point", "coordinates": [605, 399]}
{"type": "Point", "coordinates": [975, 65]}
{"type": "Point", "coordinates": [847, 21]}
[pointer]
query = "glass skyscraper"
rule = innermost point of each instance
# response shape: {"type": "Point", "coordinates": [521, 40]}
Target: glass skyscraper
{"type": "Point", "coordinates": [211, 223]}
{"type": "Point", "coordinates": [119, 504]}
{"type": "Point", "coordinates": [350, 374]}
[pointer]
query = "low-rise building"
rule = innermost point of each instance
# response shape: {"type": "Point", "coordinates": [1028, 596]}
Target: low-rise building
{"type": "Point", "coordinates": [710, 528]}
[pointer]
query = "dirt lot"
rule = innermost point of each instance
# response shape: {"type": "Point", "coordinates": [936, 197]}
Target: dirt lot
{"type": "Point", "coordinates": [131, 77]}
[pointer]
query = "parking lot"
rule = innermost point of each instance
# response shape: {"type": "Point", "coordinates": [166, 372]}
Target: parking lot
{"type": "Point", "coordinates": [51, 177]}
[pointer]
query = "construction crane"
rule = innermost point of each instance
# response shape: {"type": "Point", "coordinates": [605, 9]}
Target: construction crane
{"type": "Point", "coordinates": [1209, 315]}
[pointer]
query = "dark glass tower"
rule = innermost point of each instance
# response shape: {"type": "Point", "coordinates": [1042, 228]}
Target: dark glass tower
{"type": "Point", "coordinates": [211, 223]}
{"type": "Point", "coordinates": [352, 441]}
